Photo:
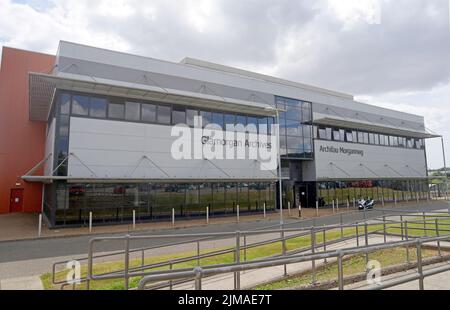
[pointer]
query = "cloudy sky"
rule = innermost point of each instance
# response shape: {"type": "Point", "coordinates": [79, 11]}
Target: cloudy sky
{"type": "Point", "coordinates": [391, 53]}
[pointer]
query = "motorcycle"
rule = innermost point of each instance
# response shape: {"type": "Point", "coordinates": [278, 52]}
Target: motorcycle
{"type": "Point", "coordinates": [366, 204]}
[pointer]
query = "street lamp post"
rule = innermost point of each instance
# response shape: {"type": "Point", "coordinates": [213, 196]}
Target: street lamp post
{"type": "Point", "coordinates": [280, 187]}
{"type": "Point", "coordinates": [445, 167]}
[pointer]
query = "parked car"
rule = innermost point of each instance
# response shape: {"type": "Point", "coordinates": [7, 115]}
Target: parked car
{"type": "Point", "coordinates": [77, 190]}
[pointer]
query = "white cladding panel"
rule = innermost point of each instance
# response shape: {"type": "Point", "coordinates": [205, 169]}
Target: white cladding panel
{"type": "Point", "coordinates": [336, 160]}
{"type": "Point", "coordinates": [114, 149]}
{"type": "Point", "coordinates": [49, 148]}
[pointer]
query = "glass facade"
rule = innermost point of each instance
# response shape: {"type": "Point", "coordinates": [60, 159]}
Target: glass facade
{"type": "Point", "coordinates": [295, 128]}
{"type": "Point", "coordinates": [402, 190]}
{"type": "Point", "coordinates": [363, 137]}
{"type": "Point", "coordinates": [69, 204]}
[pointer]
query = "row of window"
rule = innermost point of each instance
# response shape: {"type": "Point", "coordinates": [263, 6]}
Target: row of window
{"type": "Point", "coordinates": [149, 112]}
{"type": "Point", "coordinates": [353, 136]}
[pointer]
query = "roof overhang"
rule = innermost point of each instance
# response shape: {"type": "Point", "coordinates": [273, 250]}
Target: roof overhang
{"type": "Point", "coordinates": [337, 121]}
{"type": "Point", "coordinates": [43, 87]}
{"type": "Point", "coordinates": [50, 179]}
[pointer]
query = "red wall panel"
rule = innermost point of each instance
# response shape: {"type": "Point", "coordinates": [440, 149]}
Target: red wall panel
{"type": "Point", "coordinates": [22, 142]}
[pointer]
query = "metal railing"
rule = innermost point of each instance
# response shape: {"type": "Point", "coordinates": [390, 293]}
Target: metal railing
{"type": "Point", "coordinates": [382, 225]}
{"type": "Point", "coordinates": [199, 273]}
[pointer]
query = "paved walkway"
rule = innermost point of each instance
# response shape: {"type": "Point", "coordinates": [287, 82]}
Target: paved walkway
{"type": "Point", "coordinates": [252, 278]}
{"type": "Point", "coordinates": [23, 283]}
{"type": "Point", "coordinates": [24, 226]}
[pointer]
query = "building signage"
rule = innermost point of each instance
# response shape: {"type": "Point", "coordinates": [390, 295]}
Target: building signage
{"type": "Point", "coordinates": [341, 150]}
{"type": "Point", "coordinates": [236, 143]}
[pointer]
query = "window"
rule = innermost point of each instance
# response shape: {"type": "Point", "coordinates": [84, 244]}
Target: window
{"type": "Point", "coordinates": [230, 119]}
{"type": "Point", "coordinates": [217, 118]}
{"type": "Point", "coordinates": [98, 107]}
{"type": "Point", "coordinates": [206, 117]}
{"type": "Point", "coordinates": [366, 137]}
{"type": "Point", "coordinates": [252, 124]}
{"type": "Point", "coordinates": [132, 111]}
{"type": "Point", "coordinates": [336, 135]}
{"type": "Point", "coordinates": [360, 137]}
{"type": "Point", "coordinates": [377, 139]}
{"type": "Point", "coordinates": [65, 103]}
{"type": "Point", "coordinates": [80, 105]}
{"type": "Point", "coordinates": [163, 114]}
{"type": "Point", "coordinates": [148, 113]}
{"type": "Point", "coordinates": [329, 133]}
{"type": "Point", "coordinates": [190, 116]}
{"type": "Point", "coordinates": [382, 140]}
{"type": "Point", "coordinates": [349, 136]}
{"type": "Point", "coordinates": [322, 133]}
{"type": "Point", "coordinates": [178, 115]}
{"type": "Point", "coordinates": [371, 138]}
{"type": "Point", "coordinates": [262, 125]}
{"type": "Point", "coordinates": [116, 110]}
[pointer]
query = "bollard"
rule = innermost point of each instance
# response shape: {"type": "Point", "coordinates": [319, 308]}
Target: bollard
{"type": "Point", "coordinates": [207, 215]}
{"type": "Point", "coordinates": [354, 203]}
{"type": "Point", "coordinates": [264, 210]}
{"type": "Point", "coordinates": [289, 208]}
{"type": "Point", "coordinates": [173, 217]}
{"type": "Point", "coordinates": [300, 210]}
{"type": "Point", "coordinates": [90, 221]}
{"type": "Point", "coordinates": [337, 205]}
{"type": "Point", "coordinates": [348, 205]}
{"type": "Point", "coordinates": [134, 219]}
{"type": "Point", "coordinates": [382, 201]}
{"type": "Point", "coordinates": [237, 212]}
{"type": "Point", "coordinates": [395, 200]}
{"type": "Point", "coordinates": [317, 208]}
{"type": "Point", "coordinates": [40, 225]}
{"type": "Point", "coordinates": [333, 206]}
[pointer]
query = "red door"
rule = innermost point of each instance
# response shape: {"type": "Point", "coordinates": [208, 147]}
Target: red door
{"type": "Point", "coordinates": [16, 200]}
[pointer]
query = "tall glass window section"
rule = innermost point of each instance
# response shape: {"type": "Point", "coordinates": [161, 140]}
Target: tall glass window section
{"type": "Point", "coordinates": [295, 128]}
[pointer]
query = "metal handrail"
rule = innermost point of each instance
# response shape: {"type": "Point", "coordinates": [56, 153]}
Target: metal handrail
{"type": "Point", "coordinates": [212, 236]}
{"type": "Point", "coordinates": [198, 273]}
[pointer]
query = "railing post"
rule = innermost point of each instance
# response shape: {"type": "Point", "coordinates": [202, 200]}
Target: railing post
{"type": "Point", "coordinates": [173, 217]}
{"type": "Point", "coordinates": [90, 221]}
{"type": "Point", "coordinates": [437, 235]}
{"type": "Point", "coordinates": [357, 234]}
{"type": "Point", "coordinates": [419, 264]}
{"type": "Point", "coordinates": [324, 242]}
{"type": "Point", "coordinates": [313, 250]}
{"type": "Point", "coordinates": [90, 264]}
{"type": "Point", "coordinates": [366, 240]}
{"type": "Point", "coordinates": [127, 261]}
{"type": "Point", "coordinates": [341, 222]}
{"type": "Point", "coordinates": [408, 260]}
{"type": "Point", "coordinates": [340, 271]}
{"type": "Point", "coordinates": [171, 282]}
{"type": "Point", "coordinates": [245, 248]}
{"type": "Point", "coordinates": [198, 253]}
{"type": "Point", "coordinates": [424, 224]}
{"type": "Point", "coordinates": [237, 274]}
{"type": "Point", "coordinates": [198, 278]}
{"type": "Point", "coordinates": [401, 227]}
{"type": "Point", "coordinates": [40, 225]}
{"type": "Point", "coordinates": [384, 228]}
{"type": "Point", "coordinates": [283, 247]}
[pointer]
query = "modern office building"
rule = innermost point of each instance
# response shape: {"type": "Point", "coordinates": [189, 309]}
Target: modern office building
{"type": "Point", "coordinates": [91, 130]}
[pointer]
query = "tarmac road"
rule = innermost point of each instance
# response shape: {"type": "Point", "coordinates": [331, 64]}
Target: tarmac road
{"type": "Point", "coordinates": [30, 257]}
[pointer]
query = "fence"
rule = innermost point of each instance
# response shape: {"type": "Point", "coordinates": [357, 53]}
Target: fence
{"type": "Point", "coordinates": [381, 225]}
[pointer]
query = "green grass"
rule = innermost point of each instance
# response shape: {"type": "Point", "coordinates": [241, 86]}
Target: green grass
{"type": "Point", "coordinates": [250, 254]}
{"type": "Point", "coordinates": [352, 266]}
